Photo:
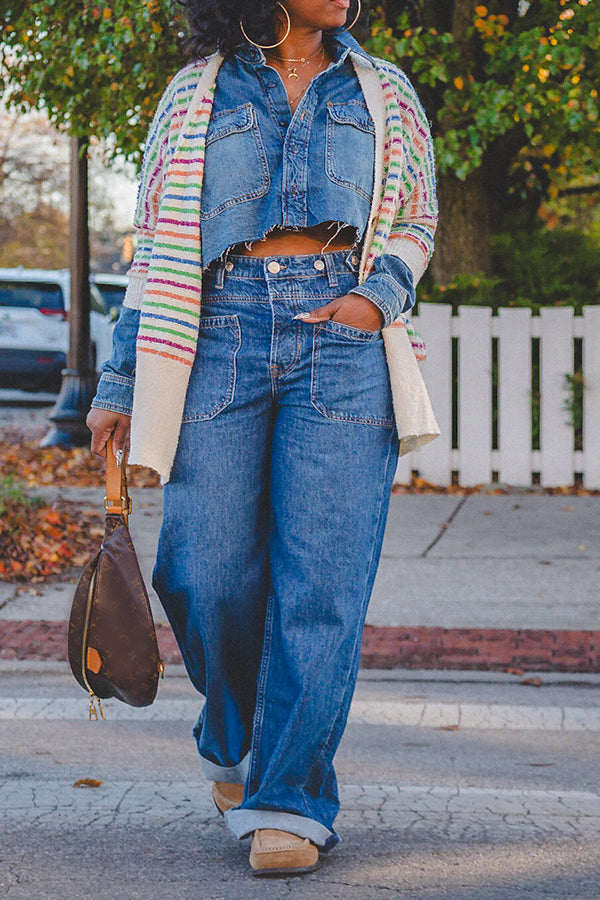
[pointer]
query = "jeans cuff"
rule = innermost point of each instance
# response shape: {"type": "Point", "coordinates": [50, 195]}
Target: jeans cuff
{"type": "Point", "coordinates": [230, 774]}
{"type": "Point", "coordinates": [242, 822]}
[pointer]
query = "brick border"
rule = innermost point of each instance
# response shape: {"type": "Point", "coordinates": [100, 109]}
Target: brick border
{"type": "Point", "coordinates": [541, 650]}
{"type": "Point", "coordinates": [384, 647]}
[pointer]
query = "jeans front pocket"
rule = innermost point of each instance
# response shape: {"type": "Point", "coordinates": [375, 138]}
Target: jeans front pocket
{"type": "Point", "coordinates": [212, 382]}
{"type": "Point", "coordinates": [350, 379]}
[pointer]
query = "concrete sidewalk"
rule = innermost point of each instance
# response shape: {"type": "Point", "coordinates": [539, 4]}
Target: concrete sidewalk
{"type": "Point", "coordinates": [467, 581]}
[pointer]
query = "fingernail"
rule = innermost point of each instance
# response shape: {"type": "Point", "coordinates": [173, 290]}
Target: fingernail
{"type": "Point", "coordinates": [303, 316]}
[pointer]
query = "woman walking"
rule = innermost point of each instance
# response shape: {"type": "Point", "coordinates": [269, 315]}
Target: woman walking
{"type": "Point", "coordinates": [286, 211]}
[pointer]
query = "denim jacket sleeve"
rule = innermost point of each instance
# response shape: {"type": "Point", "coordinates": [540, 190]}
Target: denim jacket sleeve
{"type": "Point", "coordinates": [389, 286]}
{"type": "Point", "coordinates": [115, 388]}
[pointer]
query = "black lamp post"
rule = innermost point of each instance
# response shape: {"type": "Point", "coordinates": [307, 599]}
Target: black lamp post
{"type": "Point", "coordinates": [79, 378]}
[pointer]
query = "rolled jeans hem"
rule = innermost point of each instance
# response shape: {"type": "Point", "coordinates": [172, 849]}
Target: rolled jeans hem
{"type": "Point", "coordinates": [228, 774]}
{"type": "Point", "coordinates": [242, 822]}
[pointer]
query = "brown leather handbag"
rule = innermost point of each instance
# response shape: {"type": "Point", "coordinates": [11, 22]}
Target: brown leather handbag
{"type": "Point", "coordinates": [113, 651]}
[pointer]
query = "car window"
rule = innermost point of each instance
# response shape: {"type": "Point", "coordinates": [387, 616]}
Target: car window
{"type": "Point", "coordinates": [112, 295]}
{"type": "Point", "coordinates": [96, 300]}
{"type": "Point", "coordinates": [46, 297]}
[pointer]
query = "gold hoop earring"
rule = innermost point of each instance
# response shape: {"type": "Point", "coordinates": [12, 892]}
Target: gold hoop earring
{"type": "Point", "coordinates": [348, 27]}
{"type": "Point", "coordinates": [271, 46]}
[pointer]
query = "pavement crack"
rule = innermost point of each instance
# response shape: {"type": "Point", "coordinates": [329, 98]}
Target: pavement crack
{"type": "Point", "coordinates": [117, 808]}
{"type": "Point", "coordinates": [445, 525]}
{"type": "Point", "coordinates": [4, 603]}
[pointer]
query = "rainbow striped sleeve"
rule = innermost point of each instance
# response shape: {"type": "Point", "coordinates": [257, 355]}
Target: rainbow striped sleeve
{"type": "Point", "coordinates": [160, 144]}
{"type": "Point", "coordinates": [413, 229]}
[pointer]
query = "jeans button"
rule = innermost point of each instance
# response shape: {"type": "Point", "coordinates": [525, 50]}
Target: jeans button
{"type": "Point", "coordinates": [319, 264]}
{"type": "Point", "coordinates": [274, 267]}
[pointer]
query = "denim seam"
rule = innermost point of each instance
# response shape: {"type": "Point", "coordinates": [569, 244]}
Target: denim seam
{"type": "Point", "coordinates": [111, 407]}
{"type": "Point", "coordinates": [366, 594]}
{"type": "Point", "coordinates": [273, 347]}
{"type": "Point", "coordinates": [353, 332]}
{"type": "Point", "coordinates": [113, 378]}
{"type": "Point", "coordinates": [260, 693]}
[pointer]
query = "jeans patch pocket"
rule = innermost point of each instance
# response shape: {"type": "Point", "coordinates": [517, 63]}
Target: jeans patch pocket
{"type": "Point", "coordinates": [236, 162]}
{"type": "Point", "coordinates": [212, 381]}
{"type": "Point", "coordinates": [350, 146]}
{"type": "Point", "coordinates": [350, 379]}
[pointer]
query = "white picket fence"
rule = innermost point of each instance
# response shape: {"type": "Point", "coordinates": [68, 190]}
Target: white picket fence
{"type": "Point", "coordinates": [473, 461]}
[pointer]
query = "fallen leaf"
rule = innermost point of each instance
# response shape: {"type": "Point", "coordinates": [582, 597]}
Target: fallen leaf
{"type": "Point", "coordinates": [513, 671]}
{"type": "Point", "coordinates": [447, 727]}
{"type": "Point", "coordinates": [88, 783]}
{"type": "Point", "coordinates": [535, 681]}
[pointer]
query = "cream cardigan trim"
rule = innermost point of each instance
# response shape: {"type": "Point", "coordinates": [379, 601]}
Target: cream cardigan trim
{"type": "Point", "coordinates": [156, 425]}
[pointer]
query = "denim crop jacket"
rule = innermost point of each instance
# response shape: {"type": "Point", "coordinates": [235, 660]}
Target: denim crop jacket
{"type": "Point", "coordinates": [300, 170]}
{"type": "Point", "coordinates": [166, 270]}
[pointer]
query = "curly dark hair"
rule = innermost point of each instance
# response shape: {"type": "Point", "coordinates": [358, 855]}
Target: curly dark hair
{"type": "Point", "coordinates": [215, 24]}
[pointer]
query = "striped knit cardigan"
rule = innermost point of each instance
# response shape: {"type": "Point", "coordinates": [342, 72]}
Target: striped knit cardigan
{"type": "Point", "coordinates": [165, 278]}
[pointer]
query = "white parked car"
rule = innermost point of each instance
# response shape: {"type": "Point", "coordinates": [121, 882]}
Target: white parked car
{"type": "Point", "coordinates": [34, 327]}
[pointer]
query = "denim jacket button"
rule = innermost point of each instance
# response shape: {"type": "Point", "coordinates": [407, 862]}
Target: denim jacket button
{"type": "Point", "coordinates": [274, 267]}
{"type": "Point", "coordinates": [319, 264]}
{"type": "Point", "coordinates": [229, 266]}
{"type": "Point", "coordinates": [354, 259]}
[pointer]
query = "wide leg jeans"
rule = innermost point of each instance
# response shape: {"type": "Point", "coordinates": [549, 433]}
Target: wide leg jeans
{"type": "Point", "coordinates": [272, 530]}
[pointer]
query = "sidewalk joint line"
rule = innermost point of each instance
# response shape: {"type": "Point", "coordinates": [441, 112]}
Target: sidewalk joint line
{"type": "Point", "coordinates": [445, 525]}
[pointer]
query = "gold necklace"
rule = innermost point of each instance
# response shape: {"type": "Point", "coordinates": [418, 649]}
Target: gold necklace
{"type": "Point", "coordinates": [303, 61]}
{"type": "Point", "coordinates": [292, 100]}
{"type": "Point", "coordinates": [297, 97]}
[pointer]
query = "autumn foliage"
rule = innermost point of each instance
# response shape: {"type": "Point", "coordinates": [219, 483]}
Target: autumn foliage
{"type": "Point", "coordinates": [40, 540]}
{"type": "Point", "coordinates": [24, 460]}
{"type": "Point", "coordinates": [37, 540]}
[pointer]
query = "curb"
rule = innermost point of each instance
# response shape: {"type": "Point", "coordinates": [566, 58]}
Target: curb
{"type": "Point", "coordinates": [383, 647]}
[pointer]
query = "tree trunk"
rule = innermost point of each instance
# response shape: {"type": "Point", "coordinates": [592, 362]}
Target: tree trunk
{"type": "Point", "coordinates": [463, 240]}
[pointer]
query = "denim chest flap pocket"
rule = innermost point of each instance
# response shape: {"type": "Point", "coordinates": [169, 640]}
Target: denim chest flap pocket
{"type": "Point", "coordinates": [350, 146]}
{"type": "Point", "coordinates": [211, 387]}
{"type": "Point", "coordinates": [236, 167]}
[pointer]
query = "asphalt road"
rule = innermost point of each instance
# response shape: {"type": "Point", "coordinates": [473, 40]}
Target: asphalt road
{"type": "Point", "coordinates": [428, 811]}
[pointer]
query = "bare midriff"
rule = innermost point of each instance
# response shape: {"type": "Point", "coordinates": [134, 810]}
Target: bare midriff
{"type": "Point", "coordinates": [282, 242]}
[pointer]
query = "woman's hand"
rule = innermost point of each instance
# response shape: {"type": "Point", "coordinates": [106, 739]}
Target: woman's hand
{"type": "Point", "coordinates": [102, 423]}
{"type": "Point", "coordinates": [351, 309]}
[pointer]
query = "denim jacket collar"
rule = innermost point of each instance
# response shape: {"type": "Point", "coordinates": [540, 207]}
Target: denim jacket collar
{"type": "Point", "coordinates": [342, 44]}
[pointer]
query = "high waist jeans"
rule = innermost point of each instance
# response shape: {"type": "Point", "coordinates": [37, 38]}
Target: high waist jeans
{"type": "Point", "coordinates": [273, 523]}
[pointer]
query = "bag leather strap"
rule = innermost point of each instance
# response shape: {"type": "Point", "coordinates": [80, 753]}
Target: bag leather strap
{"type": "Point", "coordinates": [117, 500]}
